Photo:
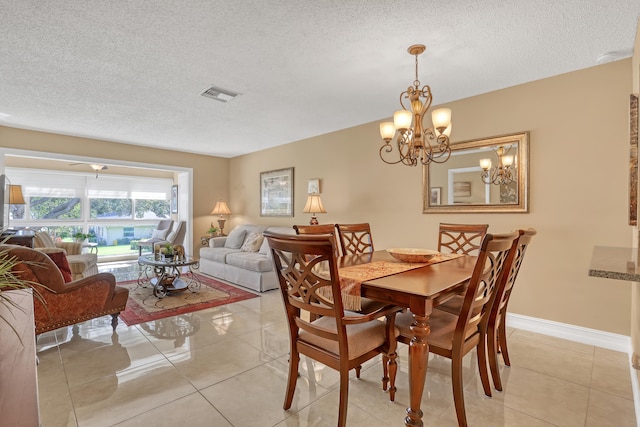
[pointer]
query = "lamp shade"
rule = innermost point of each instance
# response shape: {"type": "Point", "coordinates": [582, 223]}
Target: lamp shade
{"type": "Point", "coordinates": [441, 118]}
{"type": "Point", "coordinates": [15, 195]}
{"type": "Point", "coordinates": [314, 205]}
{"type": "Point", "coordinates": [402, 120]}
{"type": "Point", "coordinates": [387, 130]}
{"type": "Point", "coordinates": [485, 164]}
{"type": "Point", "coordinates": [221, 208]}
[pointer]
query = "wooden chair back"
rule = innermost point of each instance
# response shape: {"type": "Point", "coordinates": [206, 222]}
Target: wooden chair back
{"type": "Point", "coordinates": [315, 229]}
{"type": "Point", "coordinates": [355, 238]}
{"type": "Point", "coordinates": [461, 238]}
{"type": "Point", "coordinates": [329, 229]}
{"type": "Point", "coordinates": [307, 273]}
{"type": "Point", "coordinates": [497, 328]}
{"type": "Point", "coordinates": [503, 292]}
{"type": "Point", "coordinates": [474, 314]}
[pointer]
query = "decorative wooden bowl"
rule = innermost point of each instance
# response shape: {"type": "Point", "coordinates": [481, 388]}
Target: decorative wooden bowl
{"type": "Point", "coordinates": [412, 254]}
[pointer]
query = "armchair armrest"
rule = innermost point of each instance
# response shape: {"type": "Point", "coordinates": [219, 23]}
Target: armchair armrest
{"type": "Point", "coordinates": [217, 242]}
{"type": "Point", "coordinates": [72, 248]}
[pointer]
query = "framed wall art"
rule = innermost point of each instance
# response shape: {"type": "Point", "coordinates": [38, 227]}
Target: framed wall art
{"type": "Point", "coordinates": [276, 192]}
{"type": "Point", "coordinates": [435, 195]}
{"type": "Point", "coordinates": [462, 189]}
{"type": "Point", "coordinates": [174, 199]}
{"type": "Point", "coordinates": [313, 186]}
{"type": "Point", "coordinates": [633, 159]}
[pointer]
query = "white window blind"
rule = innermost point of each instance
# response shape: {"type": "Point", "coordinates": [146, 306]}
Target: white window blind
{"type": "Point", "coordinates": [45, 183]}
{"type": "Point", "coordinates": [40, 183]}
{"type": "Point", "coordinates": [120, 187]}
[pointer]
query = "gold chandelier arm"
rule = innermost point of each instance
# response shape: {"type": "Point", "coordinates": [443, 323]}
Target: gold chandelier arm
{"type": "Point", "coordinates": [387, 148]}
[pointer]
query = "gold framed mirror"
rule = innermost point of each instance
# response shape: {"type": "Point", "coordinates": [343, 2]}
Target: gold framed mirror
{"type": "Point", "coordinates": [483, 175]}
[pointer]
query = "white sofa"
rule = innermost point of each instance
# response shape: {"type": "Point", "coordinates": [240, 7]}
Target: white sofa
{"type": "Point", "coordinates": [232, 259]}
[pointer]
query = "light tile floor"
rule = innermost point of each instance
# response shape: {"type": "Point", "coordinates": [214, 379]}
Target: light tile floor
{"type": "Point", "coordinates": [227, 366]}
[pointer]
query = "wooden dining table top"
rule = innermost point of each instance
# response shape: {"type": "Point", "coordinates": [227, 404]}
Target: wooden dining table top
{"type": "Point", "coordinates": [429, 281]}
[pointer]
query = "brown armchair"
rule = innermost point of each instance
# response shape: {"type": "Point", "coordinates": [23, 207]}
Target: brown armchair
{"type": "Point", "coordinates": [66, 303]}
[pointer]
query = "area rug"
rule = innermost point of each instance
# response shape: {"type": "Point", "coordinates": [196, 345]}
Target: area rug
{"type": "Point", "coordinates": [143, 306]}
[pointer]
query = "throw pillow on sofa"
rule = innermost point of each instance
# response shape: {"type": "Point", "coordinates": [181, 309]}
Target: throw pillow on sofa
{"type": "Point", "coordinates": [59, 258]}
{"type": "Point", "coordinates": [252, 243]}
{"type": "Point", "coordinates": [235, 238]}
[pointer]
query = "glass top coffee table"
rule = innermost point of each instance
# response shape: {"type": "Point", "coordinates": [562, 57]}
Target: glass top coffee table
{"type": "Point", "coordinates": [168, 275]}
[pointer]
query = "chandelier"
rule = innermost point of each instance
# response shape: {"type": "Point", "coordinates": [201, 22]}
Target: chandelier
{"type": "Point", "coordinates": [502, 173]}
{"type": "Point", "coordinates": [414, 143]}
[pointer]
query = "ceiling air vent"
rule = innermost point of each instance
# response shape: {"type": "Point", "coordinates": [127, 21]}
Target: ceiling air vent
{"type": "Point", "coordinates": [222, 95]}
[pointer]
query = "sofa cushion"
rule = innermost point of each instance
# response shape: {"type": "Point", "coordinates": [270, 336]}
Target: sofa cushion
{"type": "Point", "coordinates": [216, 254]}
{"type": "Point", "coordinates": [253, 261]}
{"type": "Point", "coordinates": [235, 238]}
{"type": "Point", "coordinates": [252, 242]}
{"type": "Point", "coordinates": [83, 265]}
{"type": "Point", "coordinates": [264, 247]}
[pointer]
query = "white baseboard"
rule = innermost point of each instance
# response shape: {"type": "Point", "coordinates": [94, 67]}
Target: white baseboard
{"type": "Point", "coordinates": [593, 337]}
{"type": "Point", "coordinates": [565, 331]}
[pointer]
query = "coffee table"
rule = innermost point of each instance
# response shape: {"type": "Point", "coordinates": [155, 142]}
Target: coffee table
{"type": "Point", "coordinates": [168, 275]}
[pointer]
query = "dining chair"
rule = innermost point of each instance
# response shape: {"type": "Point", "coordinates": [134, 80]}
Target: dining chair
{"type": "Point", "coordinates": [341, 340]}
{"type": "Point", "coordinates": [355, 238]}
{"type": "Point", "coordinates": [453, 336]}
{"type": "Point", "coordinates": [461, 238]}
{"type": "Point", "coordinates": [497, 327]}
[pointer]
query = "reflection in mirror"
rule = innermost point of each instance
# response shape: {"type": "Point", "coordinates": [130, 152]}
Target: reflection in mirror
{"type": "Point", "coordinates": [487, 175]}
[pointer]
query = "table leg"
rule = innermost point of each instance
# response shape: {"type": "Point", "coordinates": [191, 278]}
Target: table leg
{"type": "Point", "coordinates": [418, 360]}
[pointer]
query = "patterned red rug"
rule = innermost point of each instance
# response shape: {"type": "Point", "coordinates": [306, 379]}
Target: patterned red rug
{"type": "Point", "coordinates": [143, 306]}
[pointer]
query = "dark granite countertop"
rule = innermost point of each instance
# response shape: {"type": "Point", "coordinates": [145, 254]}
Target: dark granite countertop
{"type": "Point", "coordinates": [615, 263]}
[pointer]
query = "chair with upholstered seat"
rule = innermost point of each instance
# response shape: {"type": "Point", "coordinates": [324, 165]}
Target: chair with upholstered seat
{"type": "Point", "coordinates": [175, 236]}
{"type": "Point", "coordinates": [81, 265]}
{"type": "Point", "coordinates": [355, 238]}
{"type": "Point", "coordinates": [461, 238]}
{"type": "Point", "coordinates": [65, 303]}
{"type": "Point", "coordinates": [497, 327]}
{"type": "Point", "coordinates": [310, 285]}
{"type": "Point", "coordinates": [453, 336]}
{"type": "Point", "coordinates": [158, 235]}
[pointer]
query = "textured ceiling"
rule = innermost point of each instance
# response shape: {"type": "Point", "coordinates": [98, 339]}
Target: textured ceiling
{"type": "Point", "coordinates": [133, 71]}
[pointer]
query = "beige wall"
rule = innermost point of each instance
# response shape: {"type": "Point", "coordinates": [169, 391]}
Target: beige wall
{"type": "Point", "coordinates": [578, 124]}
{"type": "Point", "coordinates": [210, 174]}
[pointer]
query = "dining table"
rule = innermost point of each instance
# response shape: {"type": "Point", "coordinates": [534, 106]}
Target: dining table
{"type": "Point", "coordinates": [419, 289]}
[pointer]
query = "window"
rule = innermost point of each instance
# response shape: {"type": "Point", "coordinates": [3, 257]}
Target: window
{"type": "Point", "coordinates": [117, 211]}
{"type": "Point", "coordinates": [53, 208]}
{"type": "Point", "coordinates": [110, 208]}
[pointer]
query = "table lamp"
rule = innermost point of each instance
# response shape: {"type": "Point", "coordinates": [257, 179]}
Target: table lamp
{"type": "Point", "coordinates": [221, 208]}
{"type": "Point", "coordinates": [314, 206]}
{"type": "Point", "coordinates": [15, 198]}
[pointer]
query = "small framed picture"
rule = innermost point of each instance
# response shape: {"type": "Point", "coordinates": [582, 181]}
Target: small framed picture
{"type": "Point", "coordinates": [174, 199]}
{"type": "Point", "coordinates": [435, 196]}
{"type": "Point", "coordinates": [313, 186]}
